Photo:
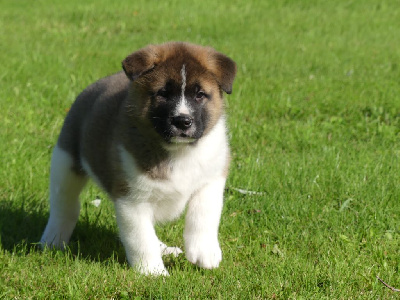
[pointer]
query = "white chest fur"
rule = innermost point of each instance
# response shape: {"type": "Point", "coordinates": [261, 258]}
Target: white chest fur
{"type": "Point", "coordinates": [191, 167]}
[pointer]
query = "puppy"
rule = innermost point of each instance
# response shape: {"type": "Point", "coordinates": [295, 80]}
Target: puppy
{"type": "Point", "coordinates": [154, 138]}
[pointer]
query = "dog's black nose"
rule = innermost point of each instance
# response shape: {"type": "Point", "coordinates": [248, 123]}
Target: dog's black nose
{"type": "Point", "coordinates": [182, 121]}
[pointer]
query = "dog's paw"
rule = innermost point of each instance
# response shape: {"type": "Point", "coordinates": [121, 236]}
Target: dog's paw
{"type": "Point", "coordinates": [146, 270]}
{"type": "Point", "coordinates": [57, 233]}
{"type": "Point", "coordinates": [52, 240]}
{"type": "Point", "coordinates": [152, 268]}
{"type": "Point", "coordinates": [204, 253]}
{"type": "Point", "coordinates": [49, 245]}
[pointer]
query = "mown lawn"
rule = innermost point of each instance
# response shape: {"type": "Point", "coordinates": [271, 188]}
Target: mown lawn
{"type": "Point", "coordinates": [314, 124]}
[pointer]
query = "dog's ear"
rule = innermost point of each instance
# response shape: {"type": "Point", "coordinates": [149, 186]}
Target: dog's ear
{"type": "Point", "coordinates": [140, 62]}
{"type": "Point", "coordinates": [224, 69]}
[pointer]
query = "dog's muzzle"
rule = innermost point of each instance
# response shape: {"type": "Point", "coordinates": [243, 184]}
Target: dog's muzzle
{"type": "Point", "coordinates": [182, 129]}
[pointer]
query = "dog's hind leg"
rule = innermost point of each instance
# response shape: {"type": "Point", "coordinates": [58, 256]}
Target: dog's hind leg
{"type": "Point", "coordinates": [65, 187]}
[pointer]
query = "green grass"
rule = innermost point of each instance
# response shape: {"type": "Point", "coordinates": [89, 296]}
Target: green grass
{"type": "Point", "coordinates": [314, 125]}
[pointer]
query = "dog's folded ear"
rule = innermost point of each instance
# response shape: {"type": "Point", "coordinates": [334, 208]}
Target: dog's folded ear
{"type": "Point", "coordinates": [224, 69]}
{"type": "Point", "coordinates": [140, 62]}
{"type": "Point", "coordinates": [145, 59]}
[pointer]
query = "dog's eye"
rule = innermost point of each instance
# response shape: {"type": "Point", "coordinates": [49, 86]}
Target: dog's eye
{"type": "Point", "coordinates": [200, 96]}
{"type": "Point", "coordinates": [162, 93]}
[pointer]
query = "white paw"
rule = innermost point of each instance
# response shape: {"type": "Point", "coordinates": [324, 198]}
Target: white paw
{"type": "Point", "coordinates": [53, 238]}
{"type": "Point", "coordinates": [57, 232]}
{"type": "Point", "coordinates": [204, 253]}
{"type": "Point", "coordinates": [152, 268]}
{"type": "Point", "coordinates": [52, 245]}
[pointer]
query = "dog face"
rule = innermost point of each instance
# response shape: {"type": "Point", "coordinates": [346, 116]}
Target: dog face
{"type": "Point", "coordinates": [177, 89]}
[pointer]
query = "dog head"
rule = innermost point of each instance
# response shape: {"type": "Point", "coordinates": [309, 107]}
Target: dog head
{"type": "Point", "coordinates": [177, 89]}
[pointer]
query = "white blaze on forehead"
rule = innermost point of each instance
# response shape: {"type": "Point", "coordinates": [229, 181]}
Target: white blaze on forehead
{"type": "Point", "coordinates": [183, 74]}
{"type": "Point", "coordinates": [182, 107]}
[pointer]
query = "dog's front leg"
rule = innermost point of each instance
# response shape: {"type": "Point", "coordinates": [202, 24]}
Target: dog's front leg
{"type": "Point", "coordinates": [201, 228]}
{"type": "Point", "coordinates": [135, 222]}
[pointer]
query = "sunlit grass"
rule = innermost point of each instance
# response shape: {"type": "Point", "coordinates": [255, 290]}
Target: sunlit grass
{"type": "Point", "coordinates": [314, 124]}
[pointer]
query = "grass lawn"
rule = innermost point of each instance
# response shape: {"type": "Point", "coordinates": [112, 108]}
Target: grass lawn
{"type": "Point", "coordinates": [314, 124]}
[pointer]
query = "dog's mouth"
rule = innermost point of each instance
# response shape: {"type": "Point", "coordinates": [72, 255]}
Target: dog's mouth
{"type": "Point", "coordinates": [179, 132]}
{"type": "Point", "coordinates": [177, 142]}
{"type": "Point", "coordinates": [182, 140]}
{"type": "Point", "coordinates": [178, 136]}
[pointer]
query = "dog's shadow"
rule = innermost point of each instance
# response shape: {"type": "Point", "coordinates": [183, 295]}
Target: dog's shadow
{"type": "Point", "coordinates": [23, 226]}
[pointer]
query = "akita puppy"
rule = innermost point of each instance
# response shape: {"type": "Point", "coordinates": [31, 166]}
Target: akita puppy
{"type": "Point", "coordinates": [154, 138]}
